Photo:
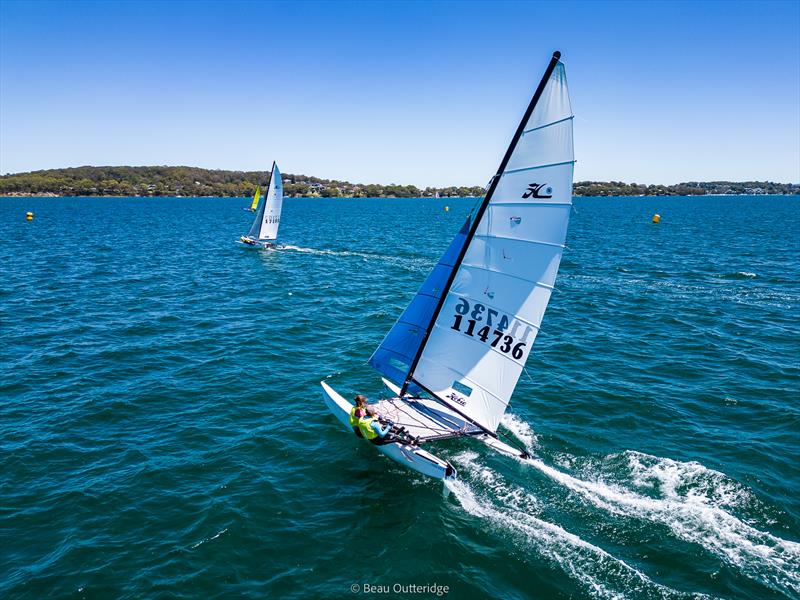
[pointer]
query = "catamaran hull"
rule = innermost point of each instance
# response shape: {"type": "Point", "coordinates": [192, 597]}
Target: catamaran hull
{"type": "Point", "coordinates": [492, 441]}
{"type": "Point", "coordinates": [257, 245]}
{"type": "Point", "coordinates": [412, 457]}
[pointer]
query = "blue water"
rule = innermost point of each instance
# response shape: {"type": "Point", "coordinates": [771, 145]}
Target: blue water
{"type": "Point", "coordinates": [162, 432]}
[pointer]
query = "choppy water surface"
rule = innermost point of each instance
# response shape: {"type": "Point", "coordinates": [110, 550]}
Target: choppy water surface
{"type": "Point", "coordinates": [162, 432]}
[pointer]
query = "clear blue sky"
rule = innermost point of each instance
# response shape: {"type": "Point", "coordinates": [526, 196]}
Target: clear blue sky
{"type": "Point", "coordinates": [427, 93]}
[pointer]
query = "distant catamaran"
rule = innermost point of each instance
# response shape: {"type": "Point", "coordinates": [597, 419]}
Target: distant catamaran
{"type": "Point", "coordinates": [268, 217]}
{"type": "Point", "coordinates": [455, 355]}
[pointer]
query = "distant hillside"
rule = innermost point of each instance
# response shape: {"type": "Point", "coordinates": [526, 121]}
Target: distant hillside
{"type": "Point", "coordinates": [692, 188]}
{"type": "Point", "coordinates": [192, 181]}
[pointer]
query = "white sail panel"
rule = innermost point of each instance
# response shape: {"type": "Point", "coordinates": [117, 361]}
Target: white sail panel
{"type": "Point", "coordinates": [482, 389]}
{"type": "Point", "coordinates": [507, 221]}
{"type": "Point", "coordinates": [273, 203]}
{"type": "Point", "coordinates": [519, 297]}
{"type": "Point", "coordinates": [516, 258]}
{"type": "Point", "coordinates": [476, 351]}
{"type": "Point", "coordinates": [544, 146]}
{"type": "Point", "coordinates": [554, 104]}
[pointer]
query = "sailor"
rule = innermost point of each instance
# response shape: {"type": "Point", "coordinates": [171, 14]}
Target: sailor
{"type": "Point", "coordinates": [357, 412]}
{"type": "Point", "coordinates": [372, 430]}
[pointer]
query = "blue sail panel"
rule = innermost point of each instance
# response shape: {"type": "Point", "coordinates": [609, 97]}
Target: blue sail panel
{"type": "Point", "coordinates": [394, 356]}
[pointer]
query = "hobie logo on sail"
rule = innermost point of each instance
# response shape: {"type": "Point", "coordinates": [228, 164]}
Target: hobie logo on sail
{"type": "Point", "coordinates": [534, 190]}
{"type": "Point", "coordinates": [457, 399]}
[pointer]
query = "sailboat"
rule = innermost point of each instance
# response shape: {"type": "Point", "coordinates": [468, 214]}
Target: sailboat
{"type": "Point", "coordinates": [256, 197]}
{"type": "Point", "coordinates": [264, 230]}
{"type": "Point", "coordinates": [454, 357]}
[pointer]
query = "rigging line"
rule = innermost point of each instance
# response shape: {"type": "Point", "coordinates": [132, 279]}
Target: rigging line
{"type": "Point", "coordinates": [434, 429]}
{"type": "Point", "coordinates": [456, 428]}
{"type": "Point", "coordinates": [438, 427]}
{"type": "Point", "coordinates": [434, 415]}
{"type": "Point", "coordinates": [460, 432]}
{"type": "Point", "coordinates": [528, 374]}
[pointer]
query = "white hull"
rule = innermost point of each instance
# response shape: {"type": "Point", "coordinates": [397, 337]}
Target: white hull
{"type": "Point", "coordinates": [410, 456]}
{"type": "Point", "coordinates": [258, 245]}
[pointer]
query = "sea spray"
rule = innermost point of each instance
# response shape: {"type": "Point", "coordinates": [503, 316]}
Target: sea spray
{"type": "Point", "coordinates": [521, 430]}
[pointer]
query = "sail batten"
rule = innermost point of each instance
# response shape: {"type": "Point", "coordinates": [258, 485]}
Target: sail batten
{"type": "Point", "coordinates": [501, 237]}
{"type": "Point", "coordinates": [471, 354]}
{"type": "Point", "coordinates": [527, 131]}
{"type": "Point", "coordinates": [533, 168]}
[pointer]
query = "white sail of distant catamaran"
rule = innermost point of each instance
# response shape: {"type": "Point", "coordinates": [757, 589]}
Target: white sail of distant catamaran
{"type": "Point", "coordinates": [453, 358]}
{"type": "Point", "coordinates": [264, 230]}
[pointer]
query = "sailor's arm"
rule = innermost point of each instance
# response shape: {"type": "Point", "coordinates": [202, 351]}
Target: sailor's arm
{"type": "Point", "coordinates": [381, 431]}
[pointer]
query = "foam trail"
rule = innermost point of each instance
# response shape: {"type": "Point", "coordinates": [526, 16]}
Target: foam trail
{"type": "Point", "coordinates": [602, 574]}
{"type": "Point", "coordinates": [215, 536]}
{"type": "Point", "coordinates": [409, 263]}
{"type": "Point", "coordinates": [693, 518]}
{"type": "Point", "coordinates": [698, 516]}
{"type": "Point", "coordinates": [521, 430]}
{"type": "Point", "coordinates": [323, 252]}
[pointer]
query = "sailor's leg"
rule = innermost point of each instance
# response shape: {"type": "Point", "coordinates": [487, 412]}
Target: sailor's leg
{"type": "Point", "coordinates": [389, 438]}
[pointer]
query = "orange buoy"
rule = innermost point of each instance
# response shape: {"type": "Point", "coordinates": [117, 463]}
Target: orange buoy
{"type": "Point", "coordinates": [656, 218]}
{"type": "Point", "coordinates": [29, 216]}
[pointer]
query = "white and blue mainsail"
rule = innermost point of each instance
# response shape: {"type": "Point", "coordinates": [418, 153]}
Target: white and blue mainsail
{"type": "Point", "coordinates": [469, 351]}
{"type": "Point", "coordinates": [268, 217]}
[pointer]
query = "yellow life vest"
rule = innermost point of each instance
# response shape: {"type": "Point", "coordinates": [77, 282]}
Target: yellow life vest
{"type": "Point", "coordinates": [365, 426]}
{"type": "Point", "coordinates": [353, 417]}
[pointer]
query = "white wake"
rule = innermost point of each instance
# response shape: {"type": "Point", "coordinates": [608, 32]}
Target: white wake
{"type": "Point", "coordinates": [411, 263]}
{"type": "Point", "coordinates": [694, 502]}
{"type": "Point", "coordinates": [513, 510]}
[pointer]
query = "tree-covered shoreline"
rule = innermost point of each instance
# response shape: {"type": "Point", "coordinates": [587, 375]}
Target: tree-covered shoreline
{"type": "Point", "coordinates": [194, 181]}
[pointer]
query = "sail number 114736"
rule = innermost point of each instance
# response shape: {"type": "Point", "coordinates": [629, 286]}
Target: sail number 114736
{"type": "Point", "coordinates": [491, 327]}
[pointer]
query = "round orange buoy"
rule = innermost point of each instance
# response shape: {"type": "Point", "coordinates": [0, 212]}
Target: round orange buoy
{"type": "Point", "coordinates": [29, 216]}
{"type": "Point", "coordinates": [656, 218]}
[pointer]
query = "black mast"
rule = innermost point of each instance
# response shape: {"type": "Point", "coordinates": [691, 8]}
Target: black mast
{"type": "Point", "coordinates": [474, 227]}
